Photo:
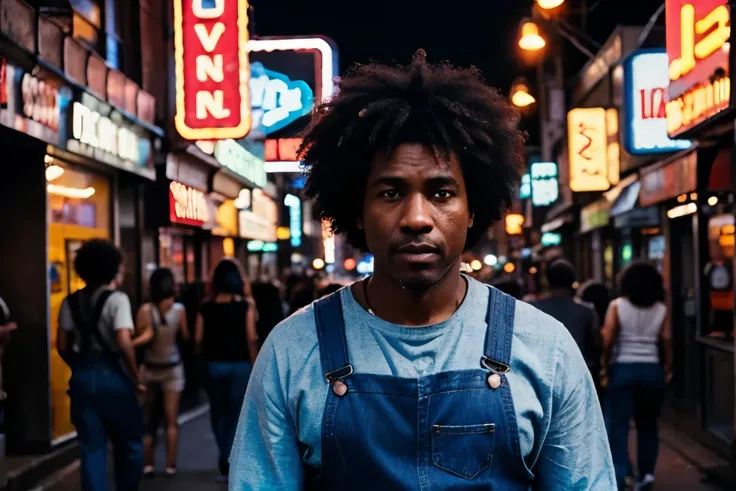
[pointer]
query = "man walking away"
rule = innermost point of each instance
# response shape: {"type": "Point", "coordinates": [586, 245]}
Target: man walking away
{"type": "Point", "coordinates": [95, 331]}
{"type": "Point", "coordinates": [578, 317]}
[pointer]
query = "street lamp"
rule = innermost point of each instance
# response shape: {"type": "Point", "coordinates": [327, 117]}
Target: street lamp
{"type": "Point", "coordinates": [530, 39]}
{"type": "Point", "coordinates": [520, 96]}
{"type": "Point", "coordinates": [549, 4]}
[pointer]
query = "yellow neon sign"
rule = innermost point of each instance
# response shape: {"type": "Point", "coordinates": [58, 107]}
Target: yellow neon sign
{"type": "Point", "coordinates": [589, 149]}
{"type": "Point", "coordinates": [514, 222]}
{"type": "Point", "coordinates": [715, 23]}
{"type": "Point", "coordinates": [698, 104]}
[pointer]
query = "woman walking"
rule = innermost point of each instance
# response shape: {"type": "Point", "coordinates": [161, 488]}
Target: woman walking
{"type": "Point", "coordinates": [638, 354]}
{"type": "Point", "coordinates": [159, 321]}
{"type": "Point", "coordinates": [227, 340]}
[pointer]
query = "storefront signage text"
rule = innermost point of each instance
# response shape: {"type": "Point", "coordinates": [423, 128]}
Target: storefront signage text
{"type": "Point", "coordinates": [187, 205]}
{"type": "Point", "coordinates": [277, 101]}
{"type": "Point", "coordinates": [239, 160]}
{"type": "Point", "coordinates": [672, 180]}
{"type": "Point", "coordinates": [295, 219]}
{"type": "Point", "coordinates": [591, 150]}
{"type": "Point", "coordinates": [645, 94]}
{"type": "Point", "coordinates": [40, 101]}
{"type": "Point", "coordinates": [697, 35]}
{"type": "Point", "coordinates": [545, 187]}
{"type": "Point", "coordinates": [212, 70]}
{"type": "Point", "coordinates": [99, 132]}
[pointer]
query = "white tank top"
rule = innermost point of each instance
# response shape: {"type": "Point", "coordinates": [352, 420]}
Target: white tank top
{"type": "Point", "coordinates": [639, 330]}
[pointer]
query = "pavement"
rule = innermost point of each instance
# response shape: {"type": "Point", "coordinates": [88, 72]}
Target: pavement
{"type": "Point", "coordinates": [198, 464]}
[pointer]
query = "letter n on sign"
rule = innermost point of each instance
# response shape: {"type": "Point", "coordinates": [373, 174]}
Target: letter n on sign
{"type": "Point", "coordinates": [212, 69]}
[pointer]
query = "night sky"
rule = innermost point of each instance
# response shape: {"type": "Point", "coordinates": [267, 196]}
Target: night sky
{"type": "Point", "coordinates": [483, 33]}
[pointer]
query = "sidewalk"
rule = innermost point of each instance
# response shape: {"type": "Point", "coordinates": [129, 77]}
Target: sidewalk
{"type": "Point", "coordinates": [197, 464]}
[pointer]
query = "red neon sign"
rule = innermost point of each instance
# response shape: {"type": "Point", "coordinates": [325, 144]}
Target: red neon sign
{"type": "Point", "coordinates": [212, 69]}
{"type": "Point", "coordinates": [187, 205]}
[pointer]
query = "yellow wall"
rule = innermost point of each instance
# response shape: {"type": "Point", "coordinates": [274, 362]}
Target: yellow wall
{"type": "Point", "coordinates": [59, 234]}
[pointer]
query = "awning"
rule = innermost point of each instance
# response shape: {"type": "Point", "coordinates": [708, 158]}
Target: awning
{"type": "Point", "coordinates": [627, 200]}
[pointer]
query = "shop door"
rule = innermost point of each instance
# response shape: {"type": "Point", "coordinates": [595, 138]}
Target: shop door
{"type": "Point", "coordinates": [682, 288]}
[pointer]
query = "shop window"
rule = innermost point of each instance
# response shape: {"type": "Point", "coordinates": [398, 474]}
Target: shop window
{"type": "Point", "coordinates": [79, 210]}
{"type": "Point", "coordinates": [718, 279]}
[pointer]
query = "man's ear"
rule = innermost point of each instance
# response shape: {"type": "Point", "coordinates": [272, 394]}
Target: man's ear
{"type": "Point", "coordinates": [471, 220]}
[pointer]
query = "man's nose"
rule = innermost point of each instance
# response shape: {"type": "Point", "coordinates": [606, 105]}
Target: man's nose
{"type": "Point", "coordinates": [417, 217]}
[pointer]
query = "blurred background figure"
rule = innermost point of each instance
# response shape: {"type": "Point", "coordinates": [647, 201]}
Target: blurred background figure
{"type": "Point", "coordinates": [158, 324]}
{"type": "Point", "coordinates": [303, 294]}
{"type": "Point", "coordinates": [596, 294]}
{"type": "Point", "coordinates": [638, 357]}
{"type": "Point", "coordinates": [227, 340]}
{"type": "Point", "coordinates": [579, 318]}
{"type": "Point", "coordinates": [269, 306]}
{"type": "Point", "coordinates": [330, 289]}
{"type": "Point", "coordinates": [510, 287]}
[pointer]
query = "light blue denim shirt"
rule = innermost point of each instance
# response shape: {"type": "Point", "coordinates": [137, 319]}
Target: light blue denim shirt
{"type": "Point", "coordinates": [561, 431]}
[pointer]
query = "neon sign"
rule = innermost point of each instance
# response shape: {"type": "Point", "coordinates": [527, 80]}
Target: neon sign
{"type": "Point", "coordinates": [100, 132]}
{"type": "Point", "coordinates": [276, 100]}
{"type": "Point", "coordinates": [587, 149]}
{"type": "Point", "coordinates": [544, 184]}
{"type": "Point", "coordinates": [514, 223]}
{"type": "Point", "coordinates": [239, 160]}
{"type": "Point", "coordinates": [645, 89]}
{"type": "Point", "coordinates": [698, 33]}
{"type": "Point", "coordinates": [187, 205]}
{"type": "Point", "coordinates": [212, 71]}
{"type": "Point", "coordinates": [295, 219]}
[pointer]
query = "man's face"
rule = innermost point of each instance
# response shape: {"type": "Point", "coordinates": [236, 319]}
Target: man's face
{"type": "Point", "coordinates": [415, 216]}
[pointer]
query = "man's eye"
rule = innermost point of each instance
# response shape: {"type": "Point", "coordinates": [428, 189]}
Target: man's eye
{"type": "Point", "coordinates": [443, 194]}
{"type": "Point", "coordinates": [390, 194]}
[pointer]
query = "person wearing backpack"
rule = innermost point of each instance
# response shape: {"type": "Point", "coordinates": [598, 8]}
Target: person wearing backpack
{"type": "Point", "coordinates": [95, 340]}
{"type": "Point", "coordinates": [158, 324]}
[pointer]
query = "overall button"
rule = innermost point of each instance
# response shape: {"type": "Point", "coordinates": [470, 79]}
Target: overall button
{"type": "Point", "coordinates": [339, 388]}
{"type": "Point", "coordinates": [494, 381]}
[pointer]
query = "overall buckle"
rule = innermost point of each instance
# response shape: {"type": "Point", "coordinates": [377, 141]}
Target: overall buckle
{"type": "Point", "coordinates": [339, 374]}
{"type": "Point", "coordinates": [494, 366]}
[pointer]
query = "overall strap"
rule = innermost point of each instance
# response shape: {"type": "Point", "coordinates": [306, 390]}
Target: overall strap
{"type": "Point", "coordinates": [500, 331]}
{"type": "Point", "coordinates": [333, 345]}
{"type": "Point", "coordinates": [89, 328]}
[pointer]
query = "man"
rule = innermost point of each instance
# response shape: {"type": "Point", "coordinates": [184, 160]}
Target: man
{"type": "Point", "coordinates": [418, 377]}
{"type": "Point", "coordinates": [579, 318]}
{"type": "Point", "coordinates": [95, 331]}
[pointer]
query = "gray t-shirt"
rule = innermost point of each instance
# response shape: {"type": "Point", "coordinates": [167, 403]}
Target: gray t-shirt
{"type": "Point", "coordinates": [116, 314]}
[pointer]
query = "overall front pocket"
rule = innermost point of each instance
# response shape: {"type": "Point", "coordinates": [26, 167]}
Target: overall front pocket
{"type": "Point", "coordinates": [463, 450]}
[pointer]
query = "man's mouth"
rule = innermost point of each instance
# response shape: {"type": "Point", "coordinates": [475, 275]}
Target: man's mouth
{"type": "Point", "coordinates": [417, 252]}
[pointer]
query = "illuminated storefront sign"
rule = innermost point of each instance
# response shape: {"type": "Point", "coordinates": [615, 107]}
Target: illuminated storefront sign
{"type": "Point", "coordinates": [239, 160]}
{"type": "Point", "coordinates": [592, 149]}
{"type": "Point", "coordinates": [663, 183]}
{"type": "Point", "coordinates": [544, 184]}
{"type": "Point", "coordinates": [514, 223]}
{"type": "Point", "coordinates": [102, 138]}
{"type": "Point", "coordinates": [40, 100]}
{"type": "Point", "coordinates": [551, 239]}
{"type": "Point", "coordinates": [187, 205]}
{"type": "Point", "coordinates": [277, 101]}
{"type": "Point", "coordinates": [295, 219]}
{"type": "Point", "coordinates": [698, 33]}
{"type": "Point", "coordinates": [645, 100]}
{"type": "Point", "coordinates": [260, 246]}
{"type": "Point", "coordinates": [262, 222]}
{"type": "Point", "coordinates": [328, 242]}
{"type": "Point", "coordinates": [212, 70]}
{"type": "Point", "coordinates": [595, 215]}
{"type": "Point", "coordinates": [525, 190]}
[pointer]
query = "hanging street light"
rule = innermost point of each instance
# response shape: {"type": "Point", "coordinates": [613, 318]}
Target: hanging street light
{"type": "Point", "coordinates": [520, 96]}
{"type": "Point", "coordinates": [549, 4]}
{"type": "Point", "coordinates": [530, 39]}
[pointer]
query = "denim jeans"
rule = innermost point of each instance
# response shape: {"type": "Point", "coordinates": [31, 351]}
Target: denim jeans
{"type": "Point", "coordinates": [635, 390]}
{"type": "Point", "coordinates": [226, 383]}
{"type": "Point", "coordinates": [104, 406]}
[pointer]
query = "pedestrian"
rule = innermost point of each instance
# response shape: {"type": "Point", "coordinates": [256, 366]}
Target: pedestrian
{"type": "Point", "coordinates": [159, 322]}
{"type": "Point", "coordinates": [268, 304]}
{"type": "Point", "coordinates": [302, 295]}
{"type": "Point", "coordinates": [418, 377]}
{"type": "Point", "coordinates": [227, 340]}
{"type": "Point", "coordinates": [578, 317]}
{"type": "Point", "coordinates": [95, 340]}
{"type": "Point", "coordinates": [7, 326]}
{"type": "Point", "coordinates": [638, 357]}
{"type": "Point", "coordinates": [596, 294]}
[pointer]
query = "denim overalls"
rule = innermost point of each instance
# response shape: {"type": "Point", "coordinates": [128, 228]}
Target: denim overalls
{"type": "Point", "coordinates": [450, 430]}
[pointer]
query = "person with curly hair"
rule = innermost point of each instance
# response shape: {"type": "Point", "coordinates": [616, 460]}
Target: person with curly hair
{"type": "Point", "coordinates": [638, 357]}
{"type": "Point", "coordinates": [418, 377]}
{"type": "Point", "coordinates": [95, 339]}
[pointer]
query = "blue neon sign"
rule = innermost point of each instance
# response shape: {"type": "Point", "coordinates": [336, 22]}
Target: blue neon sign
{"type": "Point", "coordinates": [276, 100]}
{"type": "Point", "coordinates": [295, 219]}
